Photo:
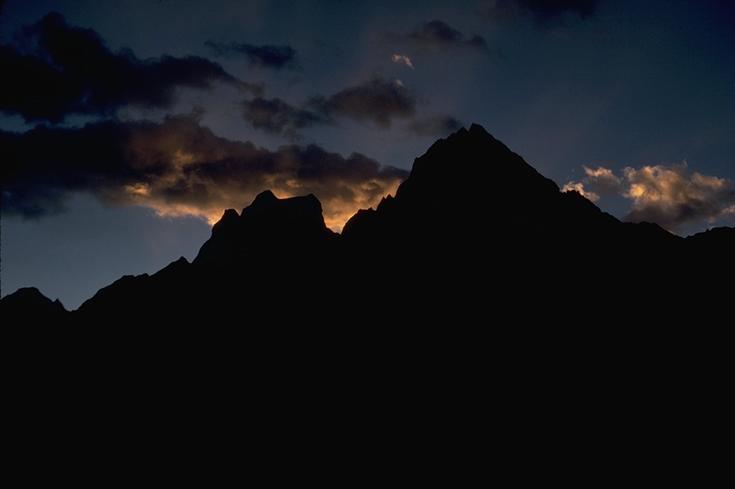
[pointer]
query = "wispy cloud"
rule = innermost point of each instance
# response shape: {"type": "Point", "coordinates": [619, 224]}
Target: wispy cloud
{"type": "Point", "coordinates": [438, 35]}
{"type": "Point", "coordinates": [267, 55]}
{"type": "Point", "coordinates": [402, 59]}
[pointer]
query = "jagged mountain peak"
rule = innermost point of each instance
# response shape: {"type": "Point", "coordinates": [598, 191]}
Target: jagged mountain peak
{"type": "Point", "coordinates": [470, 204]}
{"type": "Point", "coordinates": [267, 223]}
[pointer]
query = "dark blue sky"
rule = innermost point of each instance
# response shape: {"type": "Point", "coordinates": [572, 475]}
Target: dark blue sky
{"type": "Point", "coordinates": [645, 90]}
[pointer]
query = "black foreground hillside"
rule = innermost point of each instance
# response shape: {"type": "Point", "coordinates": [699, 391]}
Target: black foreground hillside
{"type": "Point", "coordinates": [473, 232]}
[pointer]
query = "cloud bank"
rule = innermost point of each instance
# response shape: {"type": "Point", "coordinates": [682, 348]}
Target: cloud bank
{"type": "Point", "coordinates": [179, 167]}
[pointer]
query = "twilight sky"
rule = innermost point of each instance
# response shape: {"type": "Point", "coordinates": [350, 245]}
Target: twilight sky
{"type": "Point", "coordinates": [127, 126]}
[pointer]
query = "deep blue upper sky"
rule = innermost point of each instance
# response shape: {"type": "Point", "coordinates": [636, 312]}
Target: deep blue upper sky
{"type": "Point", "coordinates": [645, 90]}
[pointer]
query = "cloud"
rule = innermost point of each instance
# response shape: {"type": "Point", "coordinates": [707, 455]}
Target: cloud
{"type": "Point", "coordinates": [436, 125]}
{"type": "Point", "coordinates": [56, 69]}
{"type": "Point", "coordinates": [402, 59]}
{"type": "Point", "coordinates": [276, 116]}
{"type": "Point", "coordinates": [266, 56]}
{"type": "Point", "coordinates": [177, 168]}
{"type": "Point", "coordinates": [439, 35]}
{"type": "Point", "coordinates": [668, 195]}
{"type": "Point", "coordinates": [602, 180]}
{"type": "Point", "coordinates": [378, 101]}
{"type": "Point", "coordinates": [597, 182]}
{"type": "Point", "coordinates": [543, 10]}
{"type": "Point", "coordinates": [672, 197]}
{"type": "Point", "coordinates": [581, 190]}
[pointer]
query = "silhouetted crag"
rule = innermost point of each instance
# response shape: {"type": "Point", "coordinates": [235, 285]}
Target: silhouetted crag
{"type": "Point", "coordinates": [290, 231]}
{"type": "Point", "coordinates": [474, 233]}
{"type": "Point", "coordinates": [30, 306]}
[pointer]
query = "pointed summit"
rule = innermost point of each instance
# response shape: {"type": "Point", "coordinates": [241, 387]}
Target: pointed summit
{"type": "Point", "coordinates": [264, 198]}
{"type": "Point", "coordinates": [469, 180]}
{"type": "Point", "coordinates": [471, 160]}
{"type": "Point", "coordinates": [479, 131]}
{"type": "Point", "coordinates": [229, 219]}
{"type": "Point", "coordinates": [471, 163]}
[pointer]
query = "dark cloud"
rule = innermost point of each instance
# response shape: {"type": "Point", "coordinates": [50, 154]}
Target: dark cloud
{"type": "Point", "coordinates": [56, 69]}
{"type": "Point", "coordinates": [268, 56]}
{"type": "Point", "coordinates": [438, 34]}
{"type": "Point", "coordinates": [378, 101]}
{"type": "Point", "coordinates": [178, 167]}
{"type": "Point", "coordinates": [551, 8]}
{"type": "Point", "coordinates": [437, 125]}
{"type": "Point", "coordinates": [543, 10]}
{"type": "Point", "coordinates": [276, 116]}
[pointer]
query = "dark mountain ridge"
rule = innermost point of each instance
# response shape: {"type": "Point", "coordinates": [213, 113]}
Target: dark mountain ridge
{"type": "Point", "coordinates": [473, 223]}
{"type": "Point", "coordinates": [467, 298]}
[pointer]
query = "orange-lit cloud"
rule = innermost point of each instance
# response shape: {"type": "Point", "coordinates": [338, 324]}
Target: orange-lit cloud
{"type": "Point", "coordinates": [669, 195]}
{"type": "Point", "coordinates": [337, 208]}
{"type": "Point", "coordinates": [179, 168]}
{"type": "Point", "coordinates": [672, 196]}
{"type": "Point", "coordinates": [579, 188]}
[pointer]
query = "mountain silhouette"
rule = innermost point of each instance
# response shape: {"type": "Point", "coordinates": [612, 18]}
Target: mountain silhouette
{"type": "Point", "coordinates": [473, 227]}
{"type": "Point", "coordinates": [30, 302]}
{"type": "Point", "coordinates": [292, 229]}
{"type": "Point", "coordinates": [479, 294]}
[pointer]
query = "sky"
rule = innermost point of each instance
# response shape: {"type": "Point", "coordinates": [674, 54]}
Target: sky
{"type": "Point", "coordinates": [128, 126]}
